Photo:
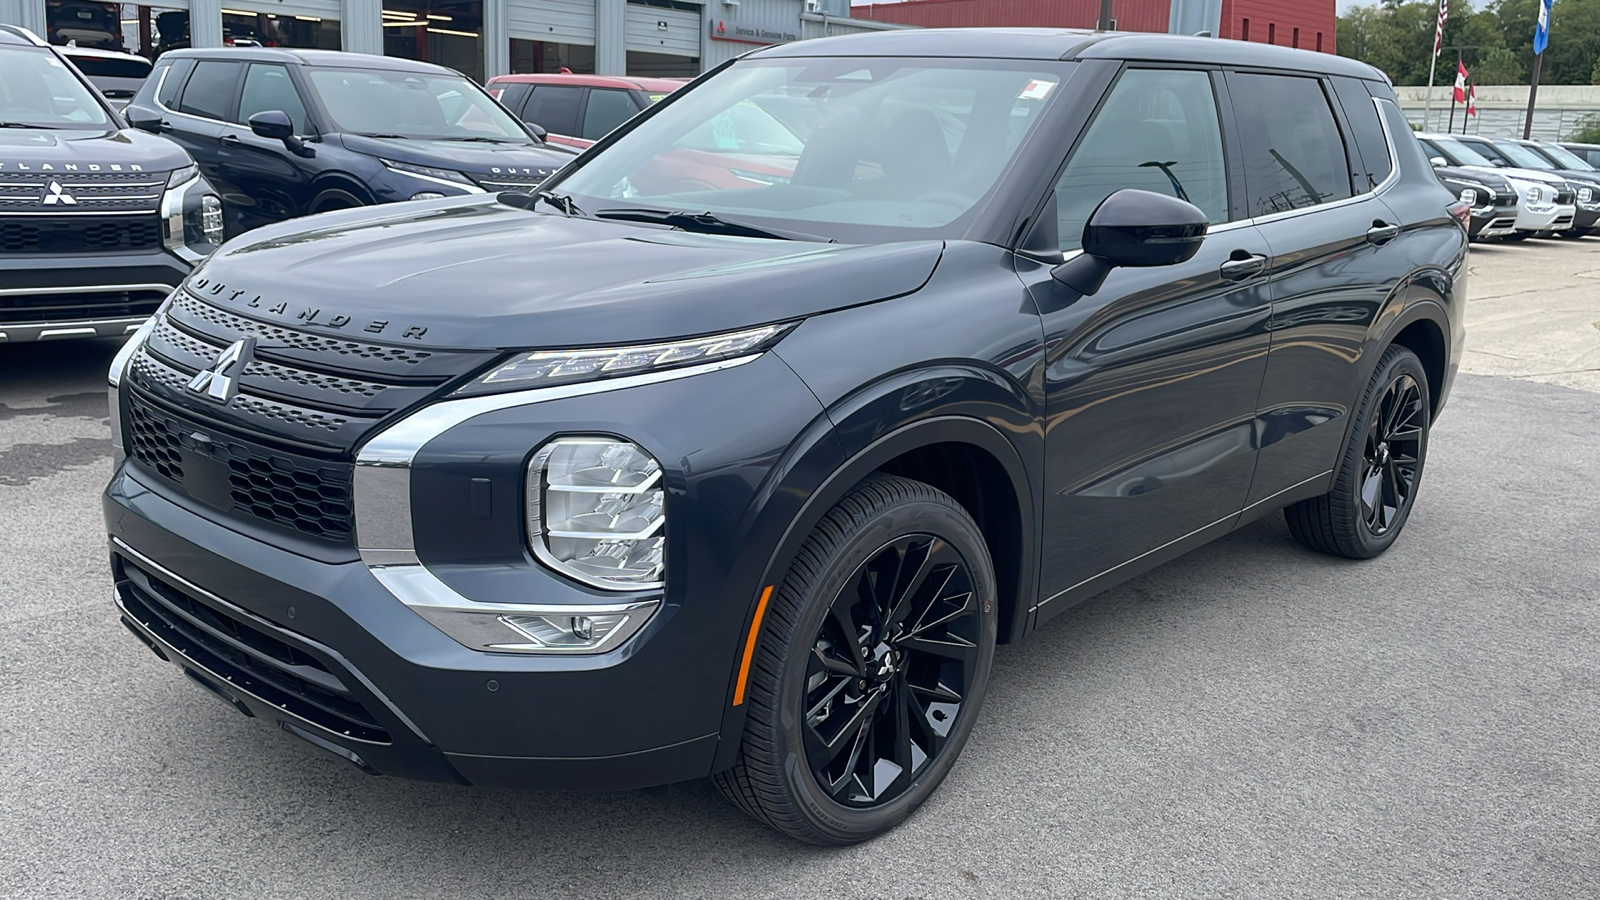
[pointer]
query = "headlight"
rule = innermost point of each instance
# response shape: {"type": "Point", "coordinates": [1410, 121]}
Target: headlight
{"type": "Point", "coordinates": [429, 173]}
{"type": "Point", "coordinates": [597, 513]}
{"type": "Point", "coordinates": [548, 367]}
{"type": "Point", "coordinates": [1469, 196]}
{"type": "Point", "coordinates": [191, 216]}
{"type": "Point", "coordinates": [427, 195]}
{"type": "Point", "coordinates": [185, 174]}
{"type": "Point", "coordinates": [1535, 195]}
{"type": "Point", "coordinates": [1585, 194]}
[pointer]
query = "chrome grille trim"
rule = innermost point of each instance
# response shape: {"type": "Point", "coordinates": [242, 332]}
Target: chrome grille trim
{"type": "Point", "coordinates": [288, 337]}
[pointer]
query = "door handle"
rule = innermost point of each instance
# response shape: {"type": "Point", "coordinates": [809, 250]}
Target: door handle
{"type": "Point", "coordinates": [1381, 233]}
{"type": "Point", "coordinates": [164, 126]}
{"type": "Point", "coordinates": [1241, 267]}
{"type": "Point", "coordinates": [231, 140]}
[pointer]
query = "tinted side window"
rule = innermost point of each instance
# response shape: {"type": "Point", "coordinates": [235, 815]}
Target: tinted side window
{"type": "Point", "coordinates": [1157, 131]}
{"type": "Point", "coordinates": [211, 89]}
{"type": "Point", "coordinates": [554, 108]}
{"type": "Point", "coordinates": [1294, 156]}
{"type": "Point", "coordinates": [606, 110]}
{"type": "Point", "coordinates": [1367, 132]}
{"type": "Point", "coordinates": [173, 82]}
{"type": "Point", "coordinates": [267, 87]}
{"type": "Point", "coordinates": [1487, 149]}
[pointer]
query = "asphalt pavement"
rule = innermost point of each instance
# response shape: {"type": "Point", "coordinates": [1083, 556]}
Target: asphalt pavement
{"type": "Point", "coordinates": [1252, 720]}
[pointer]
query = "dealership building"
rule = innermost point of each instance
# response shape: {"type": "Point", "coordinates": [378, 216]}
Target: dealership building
{"type": "Point", "coordinates": [619, 37]}
{"type": "Point", "coordinates": [479, 37]}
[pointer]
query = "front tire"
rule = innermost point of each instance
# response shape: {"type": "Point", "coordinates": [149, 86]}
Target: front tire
{"type": "Point", "coordinates": [1381, 468]}
{"type": "Point", "coordinates": [872, 665]}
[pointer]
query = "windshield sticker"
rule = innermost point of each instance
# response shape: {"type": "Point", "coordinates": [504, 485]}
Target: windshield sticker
{"type": "Point", "coordinates": [1037, 89]}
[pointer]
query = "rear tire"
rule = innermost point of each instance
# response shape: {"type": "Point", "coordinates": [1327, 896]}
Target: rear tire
{"type": "Point", "coordinates": [1380, 470]}
{"type": "Point", "coordinates": [871, 667]}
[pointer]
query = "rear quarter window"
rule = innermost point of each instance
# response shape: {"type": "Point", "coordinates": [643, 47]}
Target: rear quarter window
{"type": "Point", "coordinates": [1371, 162]}
{"type": "Point", "coordinates": [172, 81]}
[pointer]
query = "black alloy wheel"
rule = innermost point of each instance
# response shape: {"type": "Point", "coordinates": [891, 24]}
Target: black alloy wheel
{"type": "Point", "coordinates": [1380, 470]}
{"type": "Point", "coordinates": [1392, 455]}
{"type": "Point", "coordinates": [890, 670]}
{"type": "Point", "coordinates": [872, 662]}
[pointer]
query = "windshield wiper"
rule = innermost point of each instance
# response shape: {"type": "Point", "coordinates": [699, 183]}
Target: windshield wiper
{"type": "Point", "coordinates": [561, 202]}
{"type": "Point", "coordinates": [707, 223]}
{"type": "Point", "coordinates": [481, 140]}
{"type": "Point", "coordinates": [372, 134]}
{"type": "Point", "coordinates": [25, 125]}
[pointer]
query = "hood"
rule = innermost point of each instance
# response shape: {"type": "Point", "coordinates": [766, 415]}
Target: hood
{"type": "Point", "coordinates": [1485, 177]}
{"type": "Point", "coordinates": [29, 150]}
{"type": "Point", "coordinates": [473, 273]}
{"type": "Point", "coordinates": [1539, 175]}
{"type": "Point", "coordinates": [470, 158]}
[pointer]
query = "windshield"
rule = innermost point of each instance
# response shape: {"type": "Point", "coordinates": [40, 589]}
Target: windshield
{"type": "Point", "coordinates": [1565, 158]}
{"type": "Point", "coordinates": [38, 89]}
{"type": "Point", "coordinates": [1458, 153]}
{"type": "Point", "coordinates": [418, 105]}
{"type": "Point", "coordinates": [853, 149]}
{"type": "Point", "coordinates": [1523, 156]}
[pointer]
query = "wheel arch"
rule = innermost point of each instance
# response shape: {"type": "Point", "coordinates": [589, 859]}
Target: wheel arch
{"type": "Point", "coordinates": [341, 181]}
{"type": "Point", "coordinates": [1419, 323]}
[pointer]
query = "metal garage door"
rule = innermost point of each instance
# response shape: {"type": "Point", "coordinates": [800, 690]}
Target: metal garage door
{"type": "Point", "coordinates": [670, 31]}
{"type": "Point", "coordinates": [315, 9]}
{"type": "Point", "coordinates": [561, 21]}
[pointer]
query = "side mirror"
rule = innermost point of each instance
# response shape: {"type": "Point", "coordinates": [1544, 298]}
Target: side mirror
{"type": "Point", "coordinates": [1137, 229]}
{"type": "Point", "coordinates": [143, 119]}
{"type": "Point", "coordinates": [274, 124]}
{"type": "Point", "coordinates": [537, 130]}
{"type": "Point", "coordinates": [1439, 162]}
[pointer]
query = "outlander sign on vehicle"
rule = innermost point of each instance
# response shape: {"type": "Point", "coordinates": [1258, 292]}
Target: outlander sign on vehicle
{"type": "Point", "coordinates": [625, 482]}
{"type": "Point", "coordinates": [98, 222]}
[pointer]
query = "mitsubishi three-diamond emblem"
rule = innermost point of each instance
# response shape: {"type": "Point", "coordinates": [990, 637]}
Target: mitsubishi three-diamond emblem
{"type": "Point", "coordinates": [220, 382]}
{"type": "Point", "coordinates": [54, 193]}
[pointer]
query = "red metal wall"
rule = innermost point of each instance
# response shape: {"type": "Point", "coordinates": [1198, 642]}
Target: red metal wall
{"type": "Point", "coordinates": [1131, 15]}
{"type": "Point", "coordinates": [1277, 18]}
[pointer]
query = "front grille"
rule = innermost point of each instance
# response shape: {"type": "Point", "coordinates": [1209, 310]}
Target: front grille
{"type": "Point", "coordinates": [307, 495]}
{"type": "Point", "coordinates": [1505, 198]}
{"type": "Point", "coordinates": [520, 183]}
{"type": "Point", "coordinates": [78, 234]}
{"type": "Point", "coordinates": [72, 307]}
{"type": "Point", "coordinates": [1565, 196]}
{"type": "Point", "coordinates": [298, 340]}
{"type": "Point", "coordinates": [81, 194]}
{"type": "Point", "coordinates": [246, 655]}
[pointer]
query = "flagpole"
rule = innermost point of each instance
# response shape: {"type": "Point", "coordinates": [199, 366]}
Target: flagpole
{"type": "Point", "coordinates": [1459, 65]}
{"type": "Point", "coordinates": [1427, 99]}
{"type": "Point", "coordinates": [1533, 94]}
{"type": "Point", "coordinates": [1541, 29]}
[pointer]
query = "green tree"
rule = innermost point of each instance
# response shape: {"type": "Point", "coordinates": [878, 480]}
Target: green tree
{"type": "Point", "coordinates": [1498, 66]}
{"type": "Point", "coordinates": [1588, 131]}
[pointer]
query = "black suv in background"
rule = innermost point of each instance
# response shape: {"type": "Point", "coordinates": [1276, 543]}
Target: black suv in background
{"type": "Point", "coordinates": [97, 222]}
{"type": "Point", "coordinates": [1493, 200]}
{"type": "Point", "coordinates": [749, 480]}
{"type": "Point", "coordinates": [285, 133]}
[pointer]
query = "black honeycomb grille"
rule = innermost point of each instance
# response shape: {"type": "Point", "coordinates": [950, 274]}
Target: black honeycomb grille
{"type": "Point", "coordinates": [79, 234]}
{"type": "Point", "coordinates": [154, 441]}
{"type": "Point", "coordinates": [307, 495]}
{"type": "Point", "coordinates": [299, 340]}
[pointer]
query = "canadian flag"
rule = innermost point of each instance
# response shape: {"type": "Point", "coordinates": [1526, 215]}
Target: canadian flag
{"type": "Point", "coordinates": [1472, 99]}
{"type": "Point", "coordinates": [1461, 82]}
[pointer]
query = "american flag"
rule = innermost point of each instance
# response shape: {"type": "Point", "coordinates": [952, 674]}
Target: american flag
{"type": "Point", "coordinates": [1438, 34]}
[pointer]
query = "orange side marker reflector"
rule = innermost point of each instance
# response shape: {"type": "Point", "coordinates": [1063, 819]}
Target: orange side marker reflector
{"type": "Point", "coordinates": [750, 645]}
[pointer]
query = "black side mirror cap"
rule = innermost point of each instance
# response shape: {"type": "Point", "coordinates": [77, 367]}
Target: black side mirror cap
{"type": "Point", "coordinates": [1137, 229]}
{"type": "Point", "coordinates": [143, 119]}
{"type": "Point", "coordinates": [275, 125]}
{"type": "Point", "coordinates": [536, 130]}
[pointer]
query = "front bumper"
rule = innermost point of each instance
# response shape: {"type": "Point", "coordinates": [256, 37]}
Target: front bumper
{"type": "Point", "coordinates": [397, 697]}
{"type": "Point", "coordinates": [1492, 221]}
{"type": "Point", "coordinates": [55, 296]}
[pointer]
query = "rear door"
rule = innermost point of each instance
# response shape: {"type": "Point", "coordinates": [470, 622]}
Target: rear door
{"type": "Point", "coordinates": [1317, 198]}
{"type": "Point", "coordinates": [606, 109]}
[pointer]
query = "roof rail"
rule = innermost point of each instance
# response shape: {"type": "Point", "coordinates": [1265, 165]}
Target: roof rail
{"type": "Point", "coordinates": [25, 34]}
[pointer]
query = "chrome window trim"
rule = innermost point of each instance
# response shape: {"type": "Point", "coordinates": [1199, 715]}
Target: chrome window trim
{"type": "Point", "coordinates": [381, 488]}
